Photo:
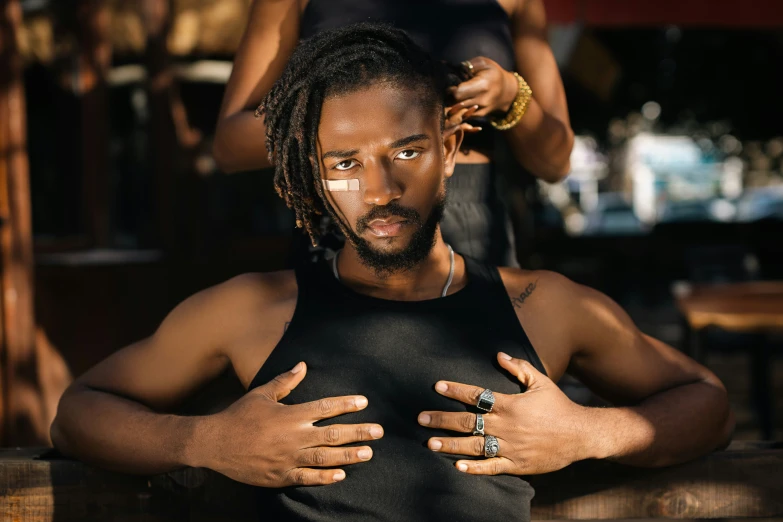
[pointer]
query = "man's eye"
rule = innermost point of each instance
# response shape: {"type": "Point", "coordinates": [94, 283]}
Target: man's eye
{"type": "Point", "coordinates": [408, 154]}
{"type": "Point", "coordinates": [345, 165]}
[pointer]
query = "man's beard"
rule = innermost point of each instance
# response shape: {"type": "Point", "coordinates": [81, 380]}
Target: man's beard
{"type": "Point", "coordinates": [419, 247]}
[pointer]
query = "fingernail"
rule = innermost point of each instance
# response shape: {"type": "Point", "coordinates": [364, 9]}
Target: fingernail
{"type": "Point", "coordinates": [424, 419]}
{"type": "Point", "coordinates": [436, 445]}
{"type": "Point", "coordinates": [364, 454]}
{"type": "Point", "coordinates": [475, 107]}
{"type": "Point", "coordinates": [462, 467]}
{"type": "Point", "coordinates": [478, 128]}
{"type": "Point", "coordinates": [298, 368]}
{"type": "Point", "coordinates": [376, 432]}
{"type": "Point", "coordinates": [339, 475]}
{"type": "Point", "coordinates": [441, 387]}
{"type": "Point", "coordinates": [505, 356]}
{"type": "Point", "coordinates": [361, 402]}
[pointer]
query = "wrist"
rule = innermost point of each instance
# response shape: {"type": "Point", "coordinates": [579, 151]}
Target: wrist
{"type": "Point", "coordinates": [613, 433]}
{"type": "Point", "coordinates": [198, 441]}
{"type": "Point", "coordinates": [508, 93]}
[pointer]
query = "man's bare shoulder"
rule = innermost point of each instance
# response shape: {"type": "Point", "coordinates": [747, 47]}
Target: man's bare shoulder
{"type": "Point", "coordinates": [225, 311]}
{"type": "Point", "coordinates": [543, 287]}
{"type": "Point", "coordinates": [254, 292]}
{"type": "Point", "coordinates": [547, 305]}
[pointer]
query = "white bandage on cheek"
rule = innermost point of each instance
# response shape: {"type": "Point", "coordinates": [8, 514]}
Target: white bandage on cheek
{"type": "Point", "coordinates": [341, 185]}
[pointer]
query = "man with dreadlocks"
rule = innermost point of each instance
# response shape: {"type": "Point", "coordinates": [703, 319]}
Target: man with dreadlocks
{"type": "Point", "coordinates": [399, 380]}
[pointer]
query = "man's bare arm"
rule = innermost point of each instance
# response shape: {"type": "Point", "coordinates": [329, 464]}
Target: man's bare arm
{"type": "Point", "coordinates": [270, 37]}
{"type": "Point", "coordinates": [543, 139]}
{"type": "Point", "coordinates": [670, 409]}
{"type": "Point", "coordinates": [114, 415]}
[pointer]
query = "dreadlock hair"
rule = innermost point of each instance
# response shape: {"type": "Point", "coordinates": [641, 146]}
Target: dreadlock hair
{"type": "Point", "coordinates": [332, 63]}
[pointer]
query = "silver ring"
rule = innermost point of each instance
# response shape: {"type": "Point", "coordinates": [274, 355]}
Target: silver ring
{"type": "Point", "coordinates": [491, 446]}
{"type": "Point", "coordinates": [486, 401]}
{"type": "Point", "coordinates": [479, 429]}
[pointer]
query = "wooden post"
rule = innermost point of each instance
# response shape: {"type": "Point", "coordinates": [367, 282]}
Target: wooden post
{"type": "Point", "coordinates": [17, 326]}
{"type": "Point", "coordinates": [172, 141]}
{"type": "Point", "coordinates": [92, 32]}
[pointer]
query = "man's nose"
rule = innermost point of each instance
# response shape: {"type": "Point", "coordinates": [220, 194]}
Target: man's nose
{"type": "Point", "coordinates": [380, 187]}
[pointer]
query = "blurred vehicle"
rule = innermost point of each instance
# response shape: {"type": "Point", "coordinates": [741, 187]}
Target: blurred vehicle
{"type": "Point", "coordinates": [761, 203]}
{"type": "Point", "coordinates": [613, 215]}
{"type": "Point", "coordinates": [685, 211]}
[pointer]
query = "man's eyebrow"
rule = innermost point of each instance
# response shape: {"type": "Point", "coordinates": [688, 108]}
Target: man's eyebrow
{"type": "Point", "coordinates": [340, 154]}
{"type": "Point", "coordinates": [395, 145]}
{"type": "Point", "coordinates": [407, 141]}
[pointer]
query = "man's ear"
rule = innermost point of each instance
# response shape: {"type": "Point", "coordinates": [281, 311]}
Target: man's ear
{"type": "Point", "coordinates": [451, 144]}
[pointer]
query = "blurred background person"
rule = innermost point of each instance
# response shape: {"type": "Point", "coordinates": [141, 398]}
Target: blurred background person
{"type": "Point", "coordinates": [491, 39]}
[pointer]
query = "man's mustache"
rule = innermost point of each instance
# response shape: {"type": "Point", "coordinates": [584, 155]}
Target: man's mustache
{"type": "Point", "coordinates": [387, 211]}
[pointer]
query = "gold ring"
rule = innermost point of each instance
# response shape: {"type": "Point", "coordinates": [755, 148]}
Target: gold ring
{"type": "Point", "coordinates": [468, 67]}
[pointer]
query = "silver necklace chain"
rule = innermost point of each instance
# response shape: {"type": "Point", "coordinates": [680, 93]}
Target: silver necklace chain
{"type": "Point", "coordinates": [445, 287]}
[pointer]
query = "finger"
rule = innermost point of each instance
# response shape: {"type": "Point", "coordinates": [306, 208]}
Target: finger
{"type": "Point", "coordinates": [470, 112]}
{"type": "Point", "coordinates": [522, 370]}
{"type": "Point", "coordinates": [493, 466]}
{"type": "Point", "coordinates": [333, 406]}
{"type": "Point", "coordinates": [455, 109]}
{"type": "Point", "coordinates": [472, 446]}
{"type": "Point", "coordinates": [470, 89]}
{"type": "Point", "coordinates": [463, 422]}
{"type": "Point", "coordinates": [464, 392]}
{"type": "Point", "coordinates": [323, 457]}
{"type": "Point", "coordinates": [339, 434]}
{"type": "Point", "coordinates": [467, 127]}
{"type": "Point", "coordinates": [313, 477]}
{"type": "Point", "coordinates": [480, 63]}
{"type": "Point", "coordinates": [279, 387]}
{"type": "Point", "coordinates": [456, 118]}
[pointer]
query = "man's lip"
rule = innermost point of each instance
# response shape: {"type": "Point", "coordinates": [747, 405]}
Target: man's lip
{"type": "Point", "coordinates": [384, 228]}
{"type": "Point", "coordinates": [386, 222]}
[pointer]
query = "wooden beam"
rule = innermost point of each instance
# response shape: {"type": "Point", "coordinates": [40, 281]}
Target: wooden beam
{"type": "Point", "coordinates": [741, 482]}
{"type": "Point", "coordinates": [17, 325]}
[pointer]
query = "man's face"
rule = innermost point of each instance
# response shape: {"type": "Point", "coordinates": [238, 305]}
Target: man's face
{"type": "Point", "coordinates": [388, 139]}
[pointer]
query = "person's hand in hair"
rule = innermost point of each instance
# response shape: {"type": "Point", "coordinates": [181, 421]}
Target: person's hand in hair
{"type": "Point", "coordinates": [261, 442]}
{"type": "Point", "coordinates": [491, 87]}
{"type": "Point", "coordinates": [456, 119]}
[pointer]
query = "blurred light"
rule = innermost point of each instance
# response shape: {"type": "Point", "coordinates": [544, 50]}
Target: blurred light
{"type": "Point", "coordinates": [673, 34]}
{"type": "Point", "coordinates": [651, 110]}
{"type": "Point", "coordinates": [775, 148]}
{"type": "Point", "coordinates": [722, 210]}
{"type": "Point", "coordinates": [575, 223]}
{"type": "Point", "coordinates": [729, 144]}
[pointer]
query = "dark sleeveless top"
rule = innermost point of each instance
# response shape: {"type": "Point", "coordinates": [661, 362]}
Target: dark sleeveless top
{"type": "Point", "coordinates": [451, 30]}
{"type": "Point", "coordinates": [393, 352]}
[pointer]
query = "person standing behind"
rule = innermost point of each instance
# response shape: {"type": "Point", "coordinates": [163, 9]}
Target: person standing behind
{"type": "Point", "coordinates": [513, 89]}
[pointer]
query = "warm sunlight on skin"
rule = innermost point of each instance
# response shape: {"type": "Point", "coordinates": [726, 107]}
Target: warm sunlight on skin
{"type": "Point", "coordinates": [394, 149]}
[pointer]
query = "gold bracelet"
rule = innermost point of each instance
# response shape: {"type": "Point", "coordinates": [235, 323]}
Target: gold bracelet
{"type": "Point", "coordinates": [518, 107]}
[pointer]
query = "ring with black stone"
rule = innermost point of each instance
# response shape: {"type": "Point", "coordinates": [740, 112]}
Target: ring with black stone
{"type": "Point", "coordinates": [486, 401]}
{"type": "Point", "coordinates": [479, 429]}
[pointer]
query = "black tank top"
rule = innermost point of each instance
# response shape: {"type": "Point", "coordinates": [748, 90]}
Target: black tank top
{"type": "Point", "coordinates": [393, 352]}
{"type": "Point", "coordinates": [451, 30]}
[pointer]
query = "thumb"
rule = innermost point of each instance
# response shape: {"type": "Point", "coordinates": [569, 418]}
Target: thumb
{"type": "Point", "coordinates": [279, 387]}
{"type": "Point", "coordinates": [523, 370]}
